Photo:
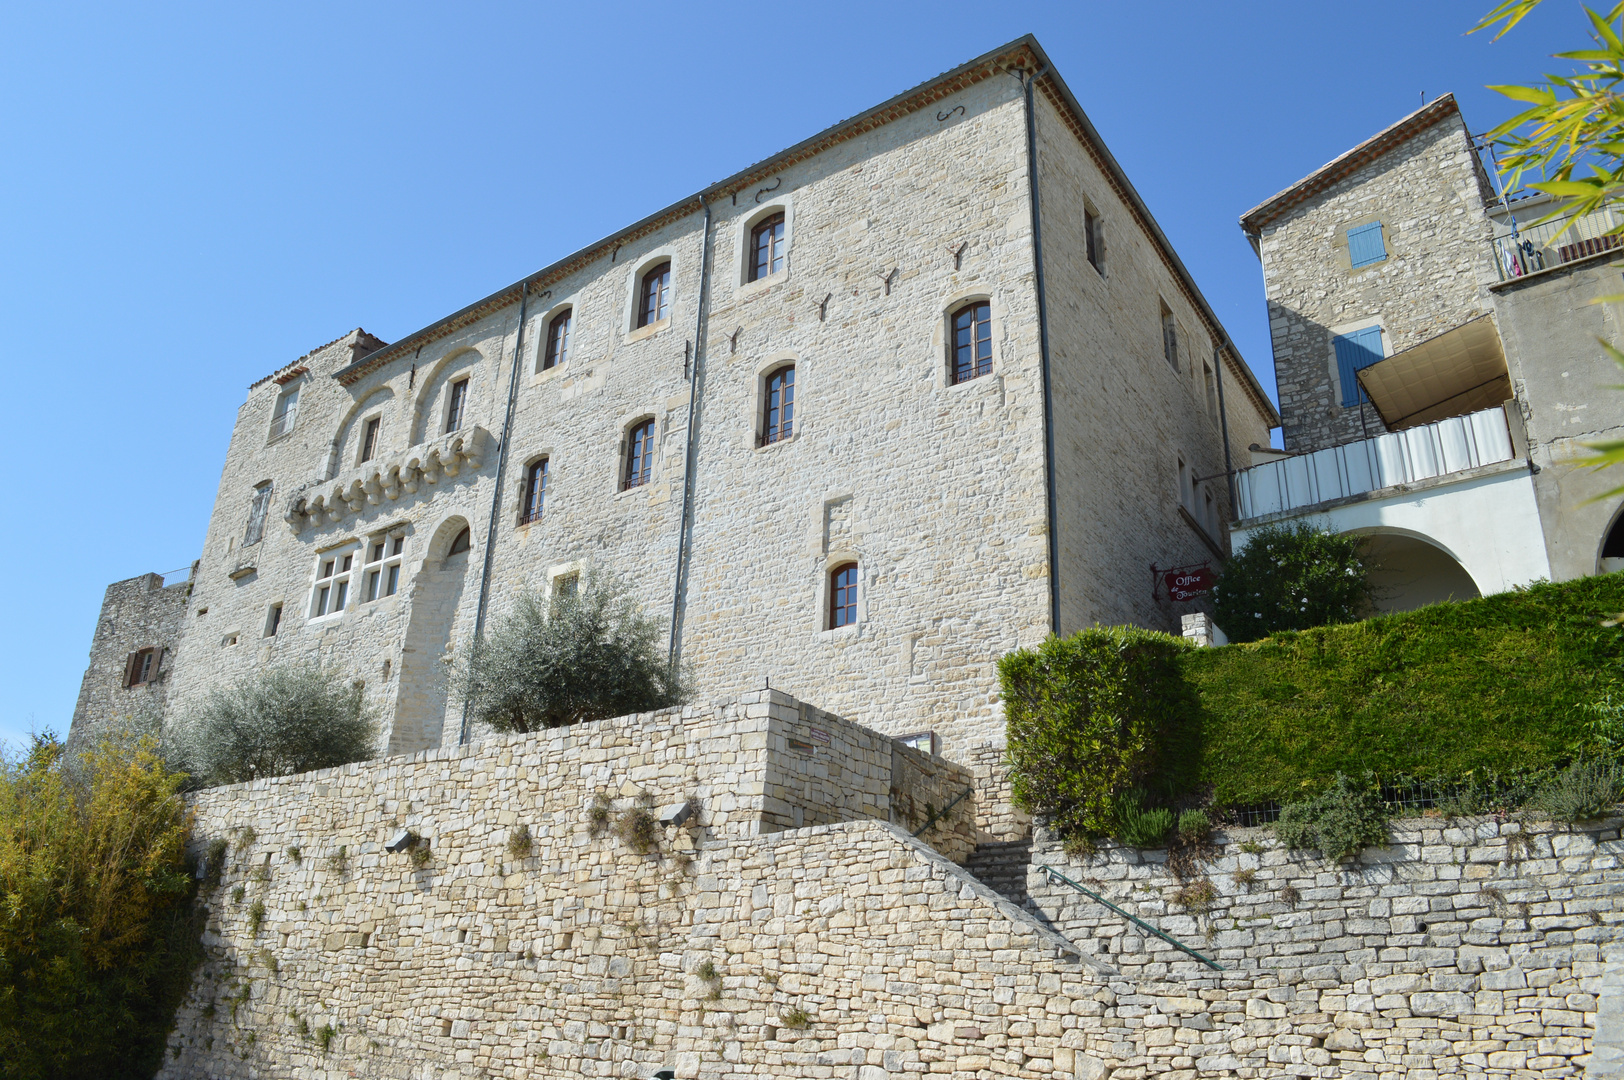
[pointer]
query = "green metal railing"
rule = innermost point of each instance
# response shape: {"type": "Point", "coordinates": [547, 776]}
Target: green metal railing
{"type": "Point", "coordinates": [932, 816]}
{"type": "Point", "coordinates": [1055, 875]}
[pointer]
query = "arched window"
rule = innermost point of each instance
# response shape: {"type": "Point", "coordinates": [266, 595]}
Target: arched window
{"type": "Point", "coordinates": [558, 340]}
{"type": "Point", "coordinates": [535, 490]}
{"type": "Point", "coordinates": [639, 455]}
{"type": "Point", "coordinates": [779, 407]}
{"type": "Point", "coordinates": [843, 596]}
{"type": "Point", "coordinates": [971, 355]}
{"type": "Point", "coordinates": [460, 543]}
{"type": "Point", "coordinates": [767, 247]}
{"type": "Point", "coordinates": [654, 296]}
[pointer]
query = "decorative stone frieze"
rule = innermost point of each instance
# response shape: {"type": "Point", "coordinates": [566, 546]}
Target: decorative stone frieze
{"type": "Point", "coordinates": [372, 483]}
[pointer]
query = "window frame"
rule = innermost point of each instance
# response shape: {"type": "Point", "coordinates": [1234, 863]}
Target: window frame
{"type": "Point", "coordinates": [531, 507]}
{"type": "Point", "coordinates": [336, 570]}
{"type": "Point", "coordinates": [560, 327]}
{"type": "Point", "coordinates": [379, 573]}
{"type": "Point", "coordinates": [285, 410]}
{"type": "Point", "coordinates": [771, 434]}
{"type": "Point", "coordinates": [143, 666]}
{"type": "Point", "coordinates": [842, 610]}
{"type": "Point", "coordinates": [1346, 365]}
{"type": "Point", "coordinates": [1093, 239]}
{"type": "Point", "coordinates": [979, 368]}
{"type": "Point", "coordinates": [660, 272]}
{"type": "Point", "coordinates": [370, 428]}
{"type": "Point", "coordinates": [1170, 336]}
{"type": "Point", "coordinates": [259, 508]}
{"type": "Point", "coordinates": [777, 246]}
{"type": "Point", "coordinates": [637, 470]}
{"type": "Point", "coordinates": [456, 405]}
{"type": "Point", "coordinates": [1357, 235]}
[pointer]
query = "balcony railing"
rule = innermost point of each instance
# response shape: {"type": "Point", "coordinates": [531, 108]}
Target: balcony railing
{"type": "Point", "coordinates": [1402, 457]}
{"type": "Point", "coordinates": [1539, 247]}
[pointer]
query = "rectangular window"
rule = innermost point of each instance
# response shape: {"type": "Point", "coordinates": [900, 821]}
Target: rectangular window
{"type": "Point", "coordinates": [1170, 337]}
{"type": "Point", "coordinates": [273, 621]}
{"type": "Point", "coordinates": [1365, 245]}
{"type": "Point", "coordinates": [377, 551]}
{"type": "Point", "coordinates": [1354, 352]}
{"type": "Point", "coordinates": [321, 599]}
{"type": "Point", "coordinates": [374, 578]}
{"type": "Point", "coordinates": [767, 246]}
{"type": "Point", "coordinates": [142, 666]}
{"type": "Point", "coordinates": [287, 407]}
{"type": "Point", "coordinates": [654, 295]}
{"type": "Point", "coordinates": [453, 412]}
{"type": "Point", "coordinates": [1184, 484]}
{"type": "Point", "coordinates": [393, 581]}
{"type": "Point", "coordinates": [535, 492]}
{"type": "Point", "coordinates": [341, 595]}
{"type": "Point", "coordinates": [639, 455]}
{"type": "Point", "coordinates": [256, 514]}
{"type": "Point", "coordinates": [558, 341]}
{"type": "Point", "coordinates": [369, 440]}
{"type": "Point", "coordinates": [397, 545]}
{"type": "Point", "coordinates": [1091, 239]}
{"type": "Point", "coordinates": [1212, 390]}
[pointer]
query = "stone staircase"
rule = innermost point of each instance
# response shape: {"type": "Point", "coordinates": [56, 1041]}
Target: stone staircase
{"type": "Point", "coordinates": [1001, 866]}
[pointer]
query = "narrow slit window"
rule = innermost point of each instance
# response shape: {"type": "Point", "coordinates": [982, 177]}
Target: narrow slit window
{"type": "Point", "coordinates": [535, 491]}
{"type": "Point", "coordinates": [558, 340]}
{"type": "Point", "coordinates": [369, 439]}
{"type": "Point", "coordinates": [972, 341]}
{"type": "Point", "coordinates": [454, 408]}
{"type": "Point", "coordinates": [273, 620]}
{"type": "Point", "coordinates": [256, 514]}
{"type": "Point", "coordinates": [654, 295]}
{"type": "Point", "coordinates": [639, 455]}
{"type": "Point", "coordinates": [1170, 337]}
{"type": "Point", "coordinates": [767, 247]}
{"type": "Point", "coordinates": [1091, 240]}
{"type": "Point", "coordinates": [779, 421]}
{"type": "Point", "coordinates": [843, 596]}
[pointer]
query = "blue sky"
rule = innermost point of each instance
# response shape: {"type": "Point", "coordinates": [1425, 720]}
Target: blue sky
{"type": "Point", "coordinates": [194, 196]}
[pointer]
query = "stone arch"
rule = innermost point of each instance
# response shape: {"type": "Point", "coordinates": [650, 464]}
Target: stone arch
{"type": "Point", "coordinates": [1411, 570]}
{"type": "Point", "coordinates": [1610, 556]}
{"type": "Point", "coordinates": [342, 453]}
{"type": "Point", "coordinates": [422, 697]}
{"type": "Point", "coordinates": [428, 408]}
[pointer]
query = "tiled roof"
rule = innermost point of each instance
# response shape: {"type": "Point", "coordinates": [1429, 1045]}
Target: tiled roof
{"type": "Point", "coordinates": [357, 336]}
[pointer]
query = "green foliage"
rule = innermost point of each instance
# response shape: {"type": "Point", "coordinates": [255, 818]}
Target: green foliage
{"type": "Point", "coordinates": [797, 1019]}
{"type": "Point", "coordinates": [1485, 689]}
{"type": "Point", "coordinates": [1085, 718]}
{"type": "Point", "coordinates": [1197, 897]}
{"type": "Point", "coordinates": [97, 936]}
{"type": "Point", "coordinates": [519, 842]}
{"type": "Point", "coordinates": [586, 655]}
{"type": "Point", "coordinates": [1291, 577]}
{"type": "Point", "coordinates": [286, 719]}
{"type": "Point", "coordinates": [1194, 827]}
{"type": "Point", "coordinates": [420, 855]}
{"type": "Point", "coordinates": [1338, 822]}
{"type": "Point", "coordinates": [637, 827]}
{"type": "Point", "coordinates": [1583, 791]}
{"type": "Point", "coordinates": [324, 1036]}
{"type": "Point", "coordinates": [1138, 826]}
{"type": "Point", "coordinates": [256, 916]}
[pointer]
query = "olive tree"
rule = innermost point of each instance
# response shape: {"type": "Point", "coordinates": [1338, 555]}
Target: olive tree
{"type": "Point", "coordinates": [585, 654]}
{"type": "Point", "coordinates": [285, 719]}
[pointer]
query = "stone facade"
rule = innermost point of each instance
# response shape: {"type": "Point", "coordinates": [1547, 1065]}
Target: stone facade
{"type": "Point", "coordinates": [1429, 193]}
{"type": "Point", "coordinates": [736, 944]}
{"type": "Point", "coordinates": [139, 614]}
{"type": "Point", "coordinates": [938, 491]}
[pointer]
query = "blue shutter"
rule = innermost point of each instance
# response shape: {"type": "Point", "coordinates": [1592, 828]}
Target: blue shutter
{"type": "Point", "coordinates": [1365, 245]}
{"type": "Point", "coordinates": [1355, 352]}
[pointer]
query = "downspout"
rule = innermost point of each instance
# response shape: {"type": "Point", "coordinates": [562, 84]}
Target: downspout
{"type": "Point", "coordinates": [690, 460]}
{"type": "Point", "coordinates": [1043, 345]}
{"type": "Point", "coordinates": [1223, 422]}
{"type": "Point", "coordinates": [496, 496]}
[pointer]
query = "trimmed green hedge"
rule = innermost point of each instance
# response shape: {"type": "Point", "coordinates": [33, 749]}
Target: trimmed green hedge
{"type": "Point", "coordinates": [1494, 686]}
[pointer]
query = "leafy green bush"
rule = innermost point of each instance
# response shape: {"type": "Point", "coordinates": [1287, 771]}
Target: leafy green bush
{"type": "Point", "coordinates": [286, 719]}
{"type": "Point", "coordinates": [1585, 790]}
{"type": "Point", "coordinates": [1338, 822]}
{"type": "Point", "coordinates": [586, 655]}
{"type": "Point", "coordinates": [1138, 826]}
{"type": "Point", "coordinates": [1194, 827]}
{"type": "Point", "coordinates": [1491, 689]}
{"type": "Point", "coordinates": [1085, 718]}
{"type": "Point", "coordinates": [97, 936]}
{"type": "Point", "coordinates": [1291, 577]}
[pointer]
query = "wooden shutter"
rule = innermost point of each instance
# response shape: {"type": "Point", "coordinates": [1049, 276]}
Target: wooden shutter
{"type": "Point", "coordinates": [157, 662]}
{"type": "Point", "coordinates": [129, 668]}
{"type": "Point", "coordinates": [1354, 352]}
{"type": "Point", "coordinates": [1365, 245]}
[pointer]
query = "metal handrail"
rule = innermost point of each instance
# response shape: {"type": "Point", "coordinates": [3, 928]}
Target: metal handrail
{"type": "Point", "coordinates": [1136, 920]}
{"type": "Point", "coordinates": [1541, 245]}
{"type": "Point", "coordinates": [936, 815]}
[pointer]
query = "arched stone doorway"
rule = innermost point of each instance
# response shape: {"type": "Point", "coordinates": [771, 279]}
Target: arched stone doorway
{"type": "Point", "coordinates": [1612, 546]}
{"type": "Point", "coordinates": [1408, 572]}
{"type": "Point", "coordinates": [436, 593]}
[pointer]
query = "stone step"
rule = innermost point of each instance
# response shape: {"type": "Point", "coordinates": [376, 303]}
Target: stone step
{"type": "Point", "coordinates": [1001, 865]}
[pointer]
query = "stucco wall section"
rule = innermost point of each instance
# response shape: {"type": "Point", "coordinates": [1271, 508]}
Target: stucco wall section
{"type": "Point", "coordinates": [1428, 197]}
{"type": "Point", "coordinates": [140, 613]}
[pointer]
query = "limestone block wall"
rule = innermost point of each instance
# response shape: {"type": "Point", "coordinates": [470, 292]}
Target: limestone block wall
{"type": "Point", "coordinates": [140, 613]}
{"type": "Point", "coordinates": [1428, 195]}
{"type": "Point", "coordinates": [996, 817]}
{"type": "Point", "coordinates": [1473, 947]}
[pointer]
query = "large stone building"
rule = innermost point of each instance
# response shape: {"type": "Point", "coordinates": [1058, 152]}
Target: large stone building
{"type": "Point", "coordinates": [858, 419]}
{"type": "Point", "coordinates": [1435, 347]}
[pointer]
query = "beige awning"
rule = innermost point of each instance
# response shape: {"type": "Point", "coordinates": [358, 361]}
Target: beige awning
{"type": "Point", "coordinates": [1457, 372]}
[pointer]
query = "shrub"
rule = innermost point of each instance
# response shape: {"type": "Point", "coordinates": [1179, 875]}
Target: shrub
{"type": "Point", "coordinates": [588, 655]}
{"type": "Point", "coordinates": [1491, 690]}
{"type": "Point", "coordinates": [797, 1019]}
{"type": "Point", "coordinates": [638, 829]}
{"type": "Point", "coordinates": [1583, 791]}
{"type": "Point", "coordinates": [1337, 823]}
{"type": "Point", "coordinates": [1194, 827]}
{"type": "Point", "coordinates": [519, 842]}
{"type": "Point", "coordinates": [99, 940]}
{"type": "Point", "coordinates": [420, 855]}
{"type": "Point", "coordinates": [1138, 827]}
{"type": "Point", "coordinates": [1291, 577]}
{"type": "Point", "coordinates": [286, 719]}
{"type": "Point", "coordinates": [1085, 715]}
{"type": "Point", "coordinates": [256, 917]}
{"type": "Point", "coordinates": [1196, 897]}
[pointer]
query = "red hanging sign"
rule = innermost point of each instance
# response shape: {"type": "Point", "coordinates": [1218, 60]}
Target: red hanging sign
{"type": "Point", "coordinates": [1188, 584]}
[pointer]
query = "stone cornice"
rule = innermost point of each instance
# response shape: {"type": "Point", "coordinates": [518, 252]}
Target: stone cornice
{"type": "Point", "coordinates": [388, 478]}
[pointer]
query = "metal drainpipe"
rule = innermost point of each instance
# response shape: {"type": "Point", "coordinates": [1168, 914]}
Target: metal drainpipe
{"type": "Point", "coordinates": [496, 496]}
{"type": "Point", "coordinates": [690, 459]}
{"type": "Point", "coordinates": [1043, 342]}
{"type": "Point", "coordinates": [1223, 422]}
